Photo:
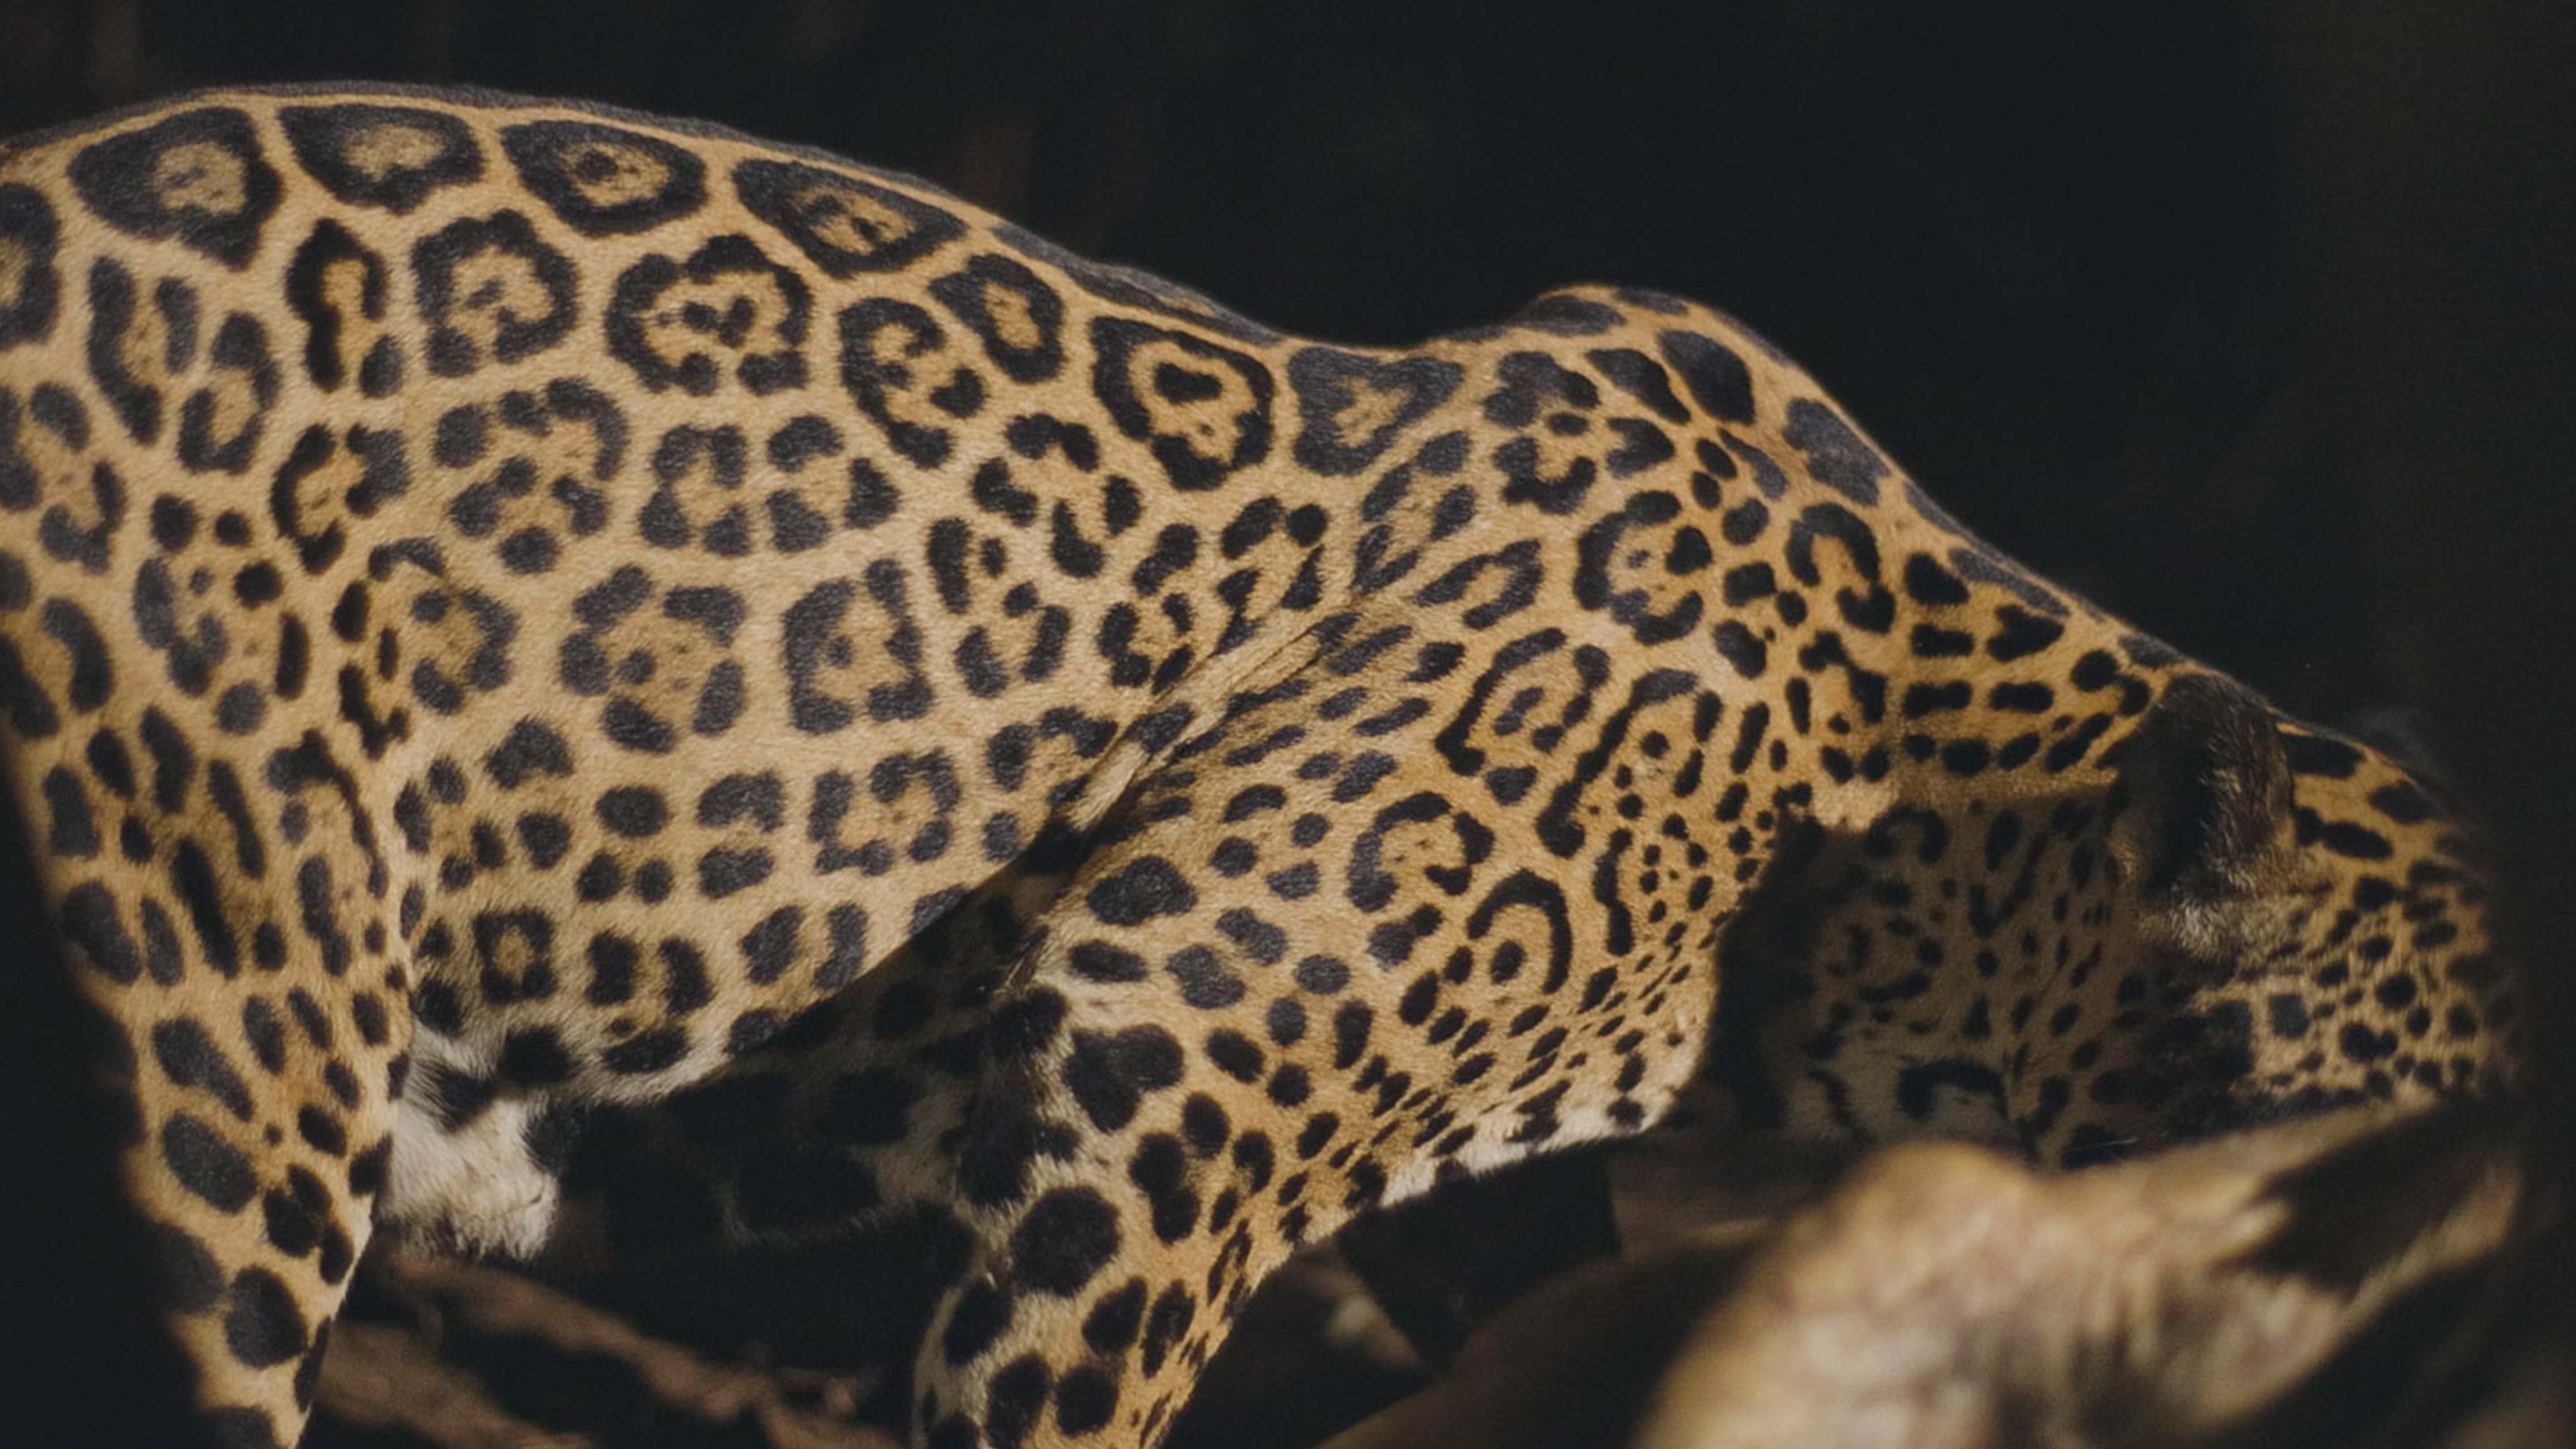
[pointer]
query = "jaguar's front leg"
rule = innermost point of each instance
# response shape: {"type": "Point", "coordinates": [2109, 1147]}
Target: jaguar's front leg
{"type": "Point", "coordinates": [1278, 1007]}
{"type": "Point", "coordinates": [248, 1054]}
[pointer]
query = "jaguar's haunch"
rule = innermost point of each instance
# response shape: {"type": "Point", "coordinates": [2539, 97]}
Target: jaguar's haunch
{"type": "Point", "coordinates": [505, 604]}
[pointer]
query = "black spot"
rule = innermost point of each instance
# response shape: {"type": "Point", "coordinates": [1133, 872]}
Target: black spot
{"type": "Point", "coordinates": [1014, 1398]}
{"type": "Point", "coordinates": [265, 1033]}
{"type": "Point", "coordinates": [293, 1228]}
{"type": "Point", "coordinates": [367, 1169]}
{"type": "Point", "coordinates": [722, 873]}
{"type": "Point", "coordinates": [1926, 582]}
{"type": "Point", "coordinates": [769, 947]}
{"type": "Point", "coordinates": [2317, 755]}
{"type": "Point", "coordinates": [1716, 376]}
{"type": "Point", "coordinates": [1233, 856]}
{"type": "Point", "coordinates": [206, 1164]}
{"type": "Point", "coordinates": [263, 1327]}
{"type": "Point", "coordinates": [529, 750]}
{"type": "Point", "coordinates": [2020, 633]}
{"type": "Point", "coordinates": [2354, 841]}
{"type": "Point", "coordinates": [1234, 1054]}
{"type": "Point", "coordinates": [634, 811]}
{"type": "Point", "coordinates": [1206, 983]}
{"type": "Point", "coordinates": [2363, 1046]}
{"type": "Point", "coordinates": [1114, 1320]}
{"type": "Point", "coordinates": [2404, 803]}
{"type": "Point", "coordinates": [1160, 1170]}
{"type": "Point", "coordinates": [1741, 648]}
{"type": "Point", "coordinates": [1322, 975]}
{"type": "Point", "coordinates": [650, 1051]}
{"type": "Point", "coordinates": [546, 839]}
{"type": "Point", "coordinates": [455, 1098]}
{"type": "Point", "coordinates": [1025, 1025]}
{"type": "Point", "coordinates": [1145, 888]}
{"type": "Point", "coordinates": [1351, 1024]}
{"type": "Point", "coordinates": [1165, 1322]}
{"type": "Point", "coordinates": [1064, 1240]}
{"type": "Point", "coordinates": [74, 832]}
{"type": "Point", "coordinates": [2288, 1017]}
{"type": "Point", "coordinates": [1109, 1073]}
{"type": "Point", "coordinates": [191, 1280]}
{"type": "Point", "coordinates": [1838, 457]}
{"type": "Point", "coordinates": [1642, 378]}
{"type": "Point", "coordinates": [190, 1058]}
{"type": "Point", "coordinates": [1085, 1401]}
{"type": "Point", "coordinates": [89, 919]}
{"type": "Point", "coordinates": [533, 1057]}
{"type": "Point", "coordinates": [241, 708]}
{"type": "Point", "coordinates": [1100, 961]}
{"type": "Point", "coordinates": [1286, 1021]}
{"type": "Point", "coordinates": [981, 1315]}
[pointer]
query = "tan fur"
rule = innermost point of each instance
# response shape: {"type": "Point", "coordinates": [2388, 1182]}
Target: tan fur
{"type": "Point", "coordinates": [504, 606]}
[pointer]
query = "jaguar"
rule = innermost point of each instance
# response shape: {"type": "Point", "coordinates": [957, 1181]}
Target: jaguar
{"type": "Point", "coordinates": [512, 609]}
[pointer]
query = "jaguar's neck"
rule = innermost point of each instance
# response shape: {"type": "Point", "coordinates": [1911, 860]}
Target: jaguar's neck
{"type": "Point", "coordinates": [1943, 676]}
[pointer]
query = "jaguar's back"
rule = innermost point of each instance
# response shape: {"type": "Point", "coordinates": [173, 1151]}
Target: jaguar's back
{"type": "Point", "coordinates": [505, 605]}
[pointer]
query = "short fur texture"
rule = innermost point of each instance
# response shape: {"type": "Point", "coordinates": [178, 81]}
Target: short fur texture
{"type": "Point", "coordinates": [508, 608]}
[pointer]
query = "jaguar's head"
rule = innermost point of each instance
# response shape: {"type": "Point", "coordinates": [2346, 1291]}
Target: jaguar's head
{"type": "Point", "coordinates": [2234, 918]}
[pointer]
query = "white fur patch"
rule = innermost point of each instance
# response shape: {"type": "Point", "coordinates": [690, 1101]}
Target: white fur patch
{"type": "Point", "coordinates": [475, 1190]}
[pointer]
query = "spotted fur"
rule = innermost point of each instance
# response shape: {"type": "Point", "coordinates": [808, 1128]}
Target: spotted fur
{"type": "Point", "coordinates": [508, 608]}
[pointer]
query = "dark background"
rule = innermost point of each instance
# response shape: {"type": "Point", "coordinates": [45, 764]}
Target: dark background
{"type": "Point", "coordinates": [2256, 321]}
{"type": "Point", "coordinates": [2082, 268]}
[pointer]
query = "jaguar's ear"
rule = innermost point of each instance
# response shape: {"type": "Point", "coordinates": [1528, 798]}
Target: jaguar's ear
{"type": "Point", "coordinates": [2202, 809]}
